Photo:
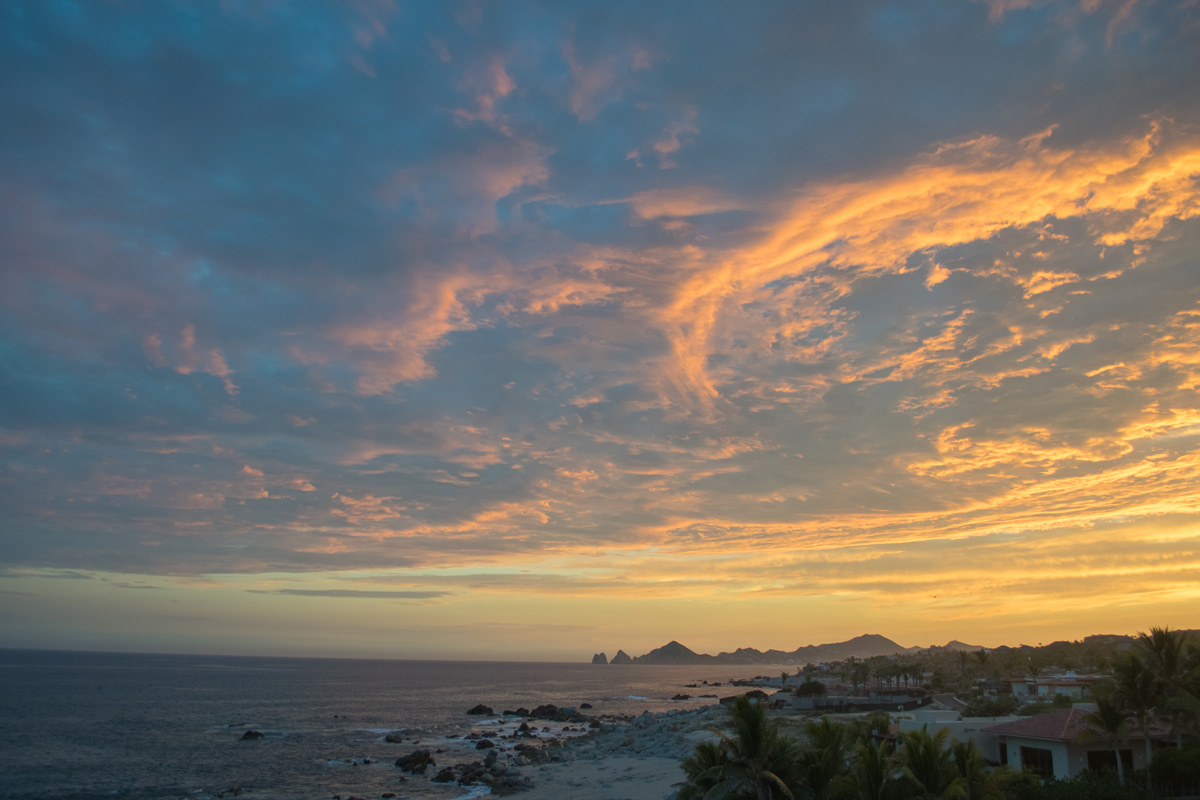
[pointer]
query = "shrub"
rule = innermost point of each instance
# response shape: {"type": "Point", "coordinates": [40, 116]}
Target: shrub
{"type": "Point", "coordinates": [1084, 786]}
{"type": "Point", "coordinates": [1000, 706]}
{"type": "Point", "coordinates": [810, 688]}
{"type": "Point", "coordinates": [1176, 766]}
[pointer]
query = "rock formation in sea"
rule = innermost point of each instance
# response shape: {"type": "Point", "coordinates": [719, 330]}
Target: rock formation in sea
{"type": "Point", "coordinates": [599, 658]}
{"type": "Point", "coordinates": [621, 658]}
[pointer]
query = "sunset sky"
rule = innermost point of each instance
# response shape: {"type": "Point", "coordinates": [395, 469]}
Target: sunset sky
{"type": "Point", "coordinates": [504, 330]}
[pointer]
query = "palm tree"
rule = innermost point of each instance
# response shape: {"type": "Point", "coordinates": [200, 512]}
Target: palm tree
{"type": "Point", "coordinates": [874, 773]}
{"type": "Point", "coordinates": [1110, 723]}
{"type": "Point", "coordinates": [703, 768]}
{"type": "Point", "coordinates": [962, 668]}
{"type": "Point", "coordinates": [824, 760]}
{"type": "Point", "coordinates": [928, 766]}
{"type": "Point", "coordinates": [862, 672]}
{"type": "Point", "coordinates": [756, 763]}
{"type": "Point", "coordinates": [979, 782]}
{"type": "Point", "coordinates": [1138, 692]}
{"type": "Point", "coordinates": [1164, 652]}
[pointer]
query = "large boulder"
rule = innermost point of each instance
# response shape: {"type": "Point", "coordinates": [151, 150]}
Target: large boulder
{"type": "Point", "coordinates": [552, 712]}
{"type": "Point", "coordinates": [250, 735]}
{"type": "Point", "coordinates": [481, 711]}
{"type": "Point", "coordinates": [416, 762]}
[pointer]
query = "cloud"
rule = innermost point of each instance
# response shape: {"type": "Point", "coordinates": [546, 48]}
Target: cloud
{"type": "Point", "coordinates": [390, 352]}
{"type": "Point", "coordinates": [960, 193]}
{"type": "Point", "coordinates": [671, 142]}
{"type": "Point", "coordinates": [682, 202]}
{"type": "Point", "coordinates": [459, 191]}
{"type": "Point", "coordinates": [601, 80]}
{"type": "Point", "coordinates": [48, 573]}
{"type": "Point", "coordinates": [357, 594]}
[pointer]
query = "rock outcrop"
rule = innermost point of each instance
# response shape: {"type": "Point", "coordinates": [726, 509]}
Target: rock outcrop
{"type": "Point", "coordinates": [621, 658]}
{"type": "Point", "coordinates": [599, 658]}
{"type": "Point", "coordinates": [416, 762]}
{"type": "Point", "coordinates": [674, 653]}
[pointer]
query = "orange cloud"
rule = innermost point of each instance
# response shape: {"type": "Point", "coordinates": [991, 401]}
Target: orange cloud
{"type": "Point", "coordinates": [960, 193]}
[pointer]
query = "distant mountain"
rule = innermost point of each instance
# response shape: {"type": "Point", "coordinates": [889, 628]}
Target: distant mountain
{"type": "Point", "coordinates": [865, 646]}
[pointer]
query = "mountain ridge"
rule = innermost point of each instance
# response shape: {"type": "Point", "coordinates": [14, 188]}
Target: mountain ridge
{"type": "Point", "coordinates": [866, 645]}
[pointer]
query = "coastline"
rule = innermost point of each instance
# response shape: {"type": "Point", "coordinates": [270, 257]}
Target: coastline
{"type": "Point", "coordinates": [138, 727]}
{"type": "Point", "coordinates": [624, 759]}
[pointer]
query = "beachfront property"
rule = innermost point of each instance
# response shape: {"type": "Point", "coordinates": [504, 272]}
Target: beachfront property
{"type": "Point", "coordinates": [1058, 744]}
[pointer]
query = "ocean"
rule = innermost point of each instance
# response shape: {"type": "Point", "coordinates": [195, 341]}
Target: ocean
{"type": "Point", "coordinates": [119, 726]}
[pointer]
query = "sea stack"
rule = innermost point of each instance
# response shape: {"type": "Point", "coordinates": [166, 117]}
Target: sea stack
{"type": "Point", "coordinates": [599, 658]}
{"type": "Point", "coordinates": [621, 658]}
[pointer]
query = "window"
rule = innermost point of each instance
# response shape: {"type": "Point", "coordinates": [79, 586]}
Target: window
{"type": "Point", "coordinates": [1038, 760]}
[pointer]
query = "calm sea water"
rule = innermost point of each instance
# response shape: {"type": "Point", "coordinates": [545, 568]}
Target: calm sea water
{"type": "Point", "coordinates": [114, 726]}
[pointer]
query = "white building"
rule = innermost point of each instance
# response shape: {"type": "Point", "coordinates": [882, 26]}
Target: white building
{"type": "Point", "coordinates": [1053, 745]}
{"type": "Point", "coordinates": [962, 729]}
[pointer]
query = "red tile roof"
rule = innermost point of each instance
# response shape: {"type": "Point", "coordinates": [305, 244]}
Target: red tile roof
{"type": "Point", "coordinates": [1063, 725]}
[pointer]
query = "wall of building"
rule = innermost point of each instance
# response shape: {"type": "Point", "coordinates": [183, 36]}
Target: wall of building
{"type": "Point", "coordinates": [962, 730]}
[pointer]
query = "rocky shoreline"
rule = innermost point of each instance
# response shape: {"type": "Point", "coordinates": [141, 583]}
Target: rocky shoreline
{"type": "Point", "coordinates": [515, 753]}
{"type": "Point", "coordinates": [544, 753]}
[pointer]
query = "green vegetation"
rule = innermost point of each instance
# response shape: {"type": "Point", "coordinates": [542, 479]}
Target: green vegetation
{"type": "Point", "coordinates": [756, 762]}
{"type": "Point", "coordinates": [809, 688]}
{"type": "Point", "coordinates": [1085, 786]}
{"type": "Point", "coordinates": [1155, 685]}
{"type": "Point", "coordinates": [983, 706]}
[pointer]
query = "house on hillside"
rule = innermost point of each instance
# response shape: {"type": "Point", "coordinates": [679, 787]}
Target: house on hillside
{"type": "Point", "coordinates": [1050, 745]}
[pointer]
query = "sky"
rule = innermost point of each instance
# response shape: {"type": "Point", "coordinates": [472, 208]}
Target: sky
{"type": "Point", "coordinates": [528, 330]}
